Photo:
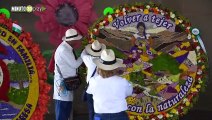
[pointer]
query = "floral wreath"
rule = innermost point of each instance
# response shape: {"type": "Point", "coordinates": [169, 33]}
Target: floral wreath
{"type": "Point", "coordinates": [61, 15]}
{"type": "Point", "coordinates": [40, 64]}
{"type": "Point", "coordinates": [182, 25]}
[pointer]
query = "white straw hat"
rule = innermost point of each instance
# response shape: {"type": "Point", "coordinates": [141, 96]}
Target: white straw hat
{"type": "Point", "coordinates": [95, 49]}
{"type": "Point", "coordinates": [108, 61]}
{"type": "Point", "coordinates": [71, 34]}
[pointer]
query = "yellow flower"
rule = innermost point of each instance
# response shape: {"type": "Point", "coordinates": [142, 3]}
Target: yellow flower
{"type": "Point", "coordinates": [174, 111]}
{"type": "Point", "coordinates": [203, 67]}
{"type": "Point", "coordinates": [144, 58]}
{"type": "Point", "coordinates": [186, 44]}
{"type": "Point", "coordinates": [139, 117]}
{"type": "Point", "coordinates": [130, 70]}
{"type": "Point", "coordinates": [133, 7]}
{"type": "Point", "coordinates": [194, 90]}
{"type": "Point", "coordinates": [126, 76]}
{"type": "Point", "coordinates": [187, 103]}
{"type": "Point", "coordinates": [146, 11]}
{"type": "Point", "coordinates": [198, 86]}
{"type": "Point", "coordinates": [110, 18]}
{"type": "Point", "coordinates": [132, 117]}
{"type": "Point", "coordinates": [101, 23]}
{"type": "Point", "coordinates": [180, 53]}
{"type": "Point", "coordinates": [117, 11]}
{"type": "Point", "coordinates": [193, 36]}
{"type": "Point", "coordinates": [177, 22]}
{"type": "Point", "coordinates": [167, 115]}
{"type": "Point", "coordinates": [131, 100]}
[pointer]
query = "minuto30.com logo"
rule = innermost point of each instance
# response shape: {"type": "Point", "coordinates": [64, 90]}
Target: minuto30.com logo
{"type": "Point", "coordinates": [27, 8]}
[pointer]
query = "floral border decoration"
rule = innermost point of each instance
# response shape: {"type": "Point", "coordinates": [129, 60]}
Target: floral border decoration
{"type": "Point", "coordinates": [34, 49]}
{"type": "Point", "coordinates": [184, 25]}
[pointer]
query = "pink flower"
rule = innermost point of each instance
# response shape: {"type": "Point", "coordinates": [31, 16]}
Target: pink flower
{"type": "Point", "coordinates": [61, 15]}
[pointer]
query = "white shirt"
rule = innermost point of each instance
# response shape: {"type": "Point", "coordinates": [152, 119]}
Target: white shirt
{"type": "Point", "coordinates": [87, 59]}
{"type": "Point", "coordinates": [65, 59]}
{"type": "Point", "coordinates": [109, 94]}
{"type": "Point", "coordinates": [138, 37]}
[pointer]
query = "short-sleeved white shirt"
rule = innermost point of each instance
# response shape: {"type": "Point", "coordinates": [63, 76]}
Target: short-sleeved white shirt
{"type": "Point", "coordinates": [109, 94]}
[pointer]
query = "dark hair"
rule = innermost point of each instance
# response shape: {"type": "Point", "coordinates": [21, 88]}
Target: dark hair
{"type": "Point", "coordinates": [143, 25]}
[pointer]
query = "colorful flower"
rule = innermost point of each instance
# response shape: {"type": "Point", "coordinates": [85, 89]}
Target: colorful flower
{"type": "Point", "coordinates": [61, 15]}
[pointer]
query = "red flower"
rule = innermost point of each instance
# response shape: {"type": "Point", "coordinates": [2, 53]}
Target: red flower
{"type": "Point", "coordinates": [77, 14]}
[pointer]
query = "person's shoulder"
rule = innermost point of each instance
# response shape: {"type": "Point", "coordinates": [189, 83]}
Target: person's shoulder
{"type": "Point", "coordinates": [94, 79]}
{"type": "Point", "coordinates": [124, 80]}
{"type": "Point", "coordinates": [119, 78]}
{"type": "Point", "coordinates": [63, 48]}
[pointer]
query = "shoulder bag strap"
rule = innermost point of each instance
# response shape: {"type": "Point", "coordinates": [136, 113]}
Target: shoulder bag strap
{"type": "Point", "coordinates": [59, 71]}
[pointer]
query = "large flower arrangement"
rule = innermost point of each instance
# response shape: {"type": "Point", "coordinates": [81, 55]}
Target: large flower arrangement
{"type": "Point", "coordinates": [61, 15]}
{"type": "Point", "coordinates": [135, 55]}
{"type": "Point", "coordinates": [40, 63]}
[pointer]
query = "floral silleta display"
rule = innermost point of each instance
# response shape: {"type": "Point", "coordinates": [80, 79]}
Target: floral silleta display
{"type": "Point", "coordinates": [165, 57]}
{"type": "Point", "coordinates": [24, 91]}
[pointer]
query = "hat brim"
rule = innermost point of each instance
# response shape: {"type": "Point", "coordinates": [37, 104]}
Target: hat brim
{"type": "Point", "coordinates": [119, 63]}
{"type": "Point", "coordinates": [79, 37]}
{"type": "Point", "coordinates": [91, 52]}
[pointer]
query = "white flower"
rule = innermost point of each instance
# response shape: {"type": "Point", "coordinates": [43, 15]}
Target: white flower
{"type": "Point", "coordinates": [171, 115]}
{"type": "Point", "coordinates": [200, 82]}
{"type": "Point", "coordinates": [109, 16]}
{"type": "Point", "coordinates": [198, 48]}
{"type": "Point", "coordinates": [185, 100]}
{"type": "Point", "coordinates": [199, 72]}
{"type": "Point", "coordinates": [141, 10]}
{"type": "Point", "coordinates": [153, 119]}
{"type": "Point", "coordinates": [189, 36]}
{"type": "Point", "coordinates": [123, 9]}
{"type": "Point", "coordinates": [95, 30]}
{"type": "Point", "coordinates": [162, 13]}
{"type": "Point", "coordinates": [172, 15]}
{"type": "Point", "coordinates": [160, 116]}
{"type": "Point", "coordinates": [147, 6]}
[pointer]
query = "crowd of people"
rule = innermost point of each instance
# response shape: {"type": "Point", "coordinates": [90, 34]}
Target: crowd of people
{"type": "Point", "coordinates": [106, 92]}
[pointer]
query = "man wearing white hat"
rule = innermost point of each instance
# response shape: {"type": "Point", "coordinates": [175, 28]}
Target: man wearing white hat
{"type": "Point", "coordinates": [108, 89]}
{"type": "Point", "coordinates": [91, 51]}
{"type": "Point", "coordinates": [66, 65]}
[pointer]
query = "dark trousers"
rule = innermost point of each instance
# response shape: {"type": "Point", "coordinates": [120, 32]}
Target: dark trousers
{"type": "Point", "coordinates": [63, 109]}
{"type": "Point", "coordinates": [111, 116]}
{"type": "Point", "coordinates": [90, 106]}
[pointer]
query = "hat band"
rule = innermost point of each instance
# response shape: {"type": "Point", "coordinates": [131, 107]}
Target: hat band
{"type": "Point", "coordinates": [108, 62]}
{"type": "Point", "coordinates": [72, 36]}
{"type": "Point", "coordinates": [96, 50]}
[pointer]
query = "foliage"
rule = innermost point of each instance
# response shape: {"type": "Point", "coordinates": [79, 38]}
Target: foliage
{"type": "Point", "coordinates": [137, 78]}
{"type": "Point", "coordinates": [18, 96]}
{"type": "Point", "coordinates": [18, 72]}
{"type": "Point", "coordinates": [165, 62]}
